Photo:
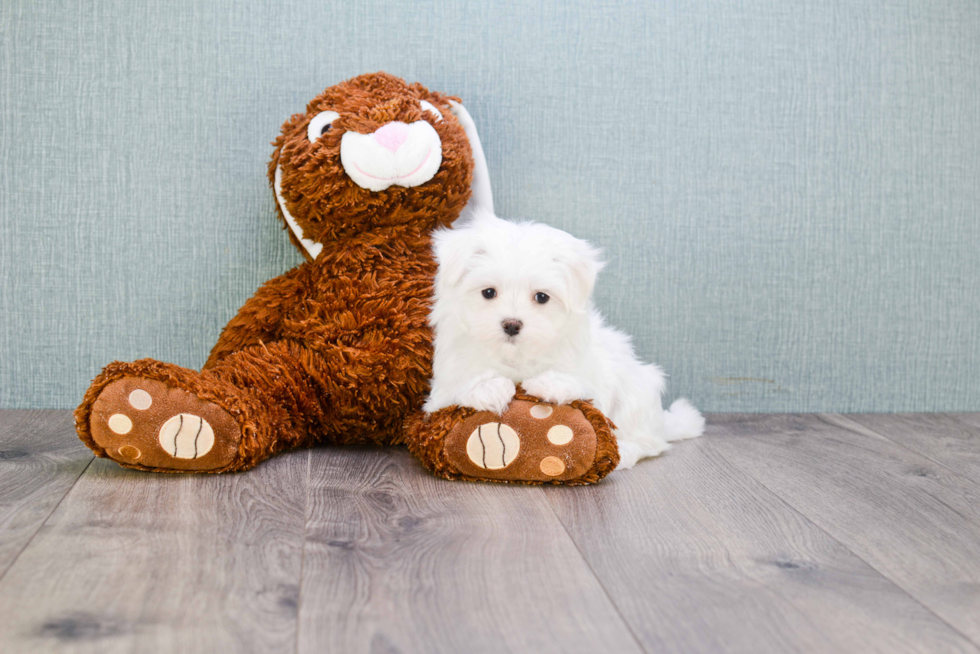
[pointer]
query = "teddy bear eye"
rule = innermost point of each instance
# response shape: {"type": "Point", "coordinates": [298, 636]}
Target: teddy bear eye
{"type": "Point", "coordinates": [541, 298]}
{"type": "Point", "coordinates": [428, 106]}
{"type": "Point", "coordinates": [489, 293]}
{"type": "Point", "coordinates": [320, 124]}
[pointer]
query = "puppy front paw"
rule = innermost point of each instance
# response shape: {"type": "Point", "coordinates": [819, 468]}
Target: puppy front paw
{"type": "Point", "coordinates": [556, 387]}
{"type": "Point", "coordinates": [489, 392]}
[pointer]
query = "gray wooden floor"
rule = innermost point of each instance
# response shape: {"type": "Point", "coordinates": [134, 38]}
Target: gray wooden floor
{"type": "Point", "coordinates": [773, 533]}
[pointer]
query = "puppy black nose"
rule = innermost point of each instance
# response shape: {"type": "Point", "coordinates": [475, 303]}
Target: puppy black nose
{"type": "Point", "coordinates": [512, 327]}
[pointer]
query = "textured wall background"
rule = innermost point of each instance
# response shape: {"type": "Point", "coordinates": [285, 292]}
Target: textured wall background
{"type": "Point", "coordinates": [788, 192]}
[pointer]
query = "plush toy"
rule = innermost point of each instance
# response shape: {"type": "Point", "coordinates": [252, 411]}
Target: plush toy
{"type": "Point", "coordinates": [338, 350]}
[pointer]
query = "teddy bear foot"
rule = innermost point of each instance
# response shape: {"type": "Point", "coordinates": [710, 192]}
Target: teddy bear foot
{"type": "Point", "coordinates": [147, 424]}
{"type": "Point", "coordinates": [533, 442]}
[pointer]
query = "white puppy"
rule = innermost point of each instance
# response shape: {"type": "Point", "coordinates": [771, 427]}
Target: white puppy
{"type": "Point", "coordinates": [513, 305]}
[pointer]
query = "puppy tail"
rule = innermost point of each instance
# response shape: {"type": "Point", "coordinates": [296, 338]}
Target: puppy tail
{"type": "Point", "coordinates": [682, 421]}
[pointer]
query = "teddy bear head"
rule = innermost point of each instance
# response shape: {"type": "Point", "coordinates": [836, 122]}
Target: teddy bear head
{"type": "Point", "coordinates": [374, 153]}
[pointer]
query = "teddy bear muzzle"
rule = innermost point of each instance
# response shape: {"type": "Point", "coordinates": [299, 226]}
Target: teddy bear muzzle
{"type": "Point", "coordinates": [395, 154]}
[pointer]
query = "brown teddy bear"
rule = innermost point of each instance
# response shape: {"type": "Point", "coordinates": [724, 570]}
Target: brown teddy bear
{"type": "Point", "coordinates": [338, 350]}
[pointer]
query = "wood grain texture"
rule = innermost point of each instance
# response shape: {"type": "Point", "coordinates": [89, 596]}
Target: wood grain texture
{"type": "Point", "coordinates": [775, 533]}
{"type": "Point", "coordinates": [972, 419]}
{"type": "Point", "coordinates": [399, 561]}
{"type": "Point", "coordinates": [141, 562]}
{"type": "Point", "coordinates": [911, 519]}
{"type": "Point", "coordinates": [952, 440]}
{"type": "Point", "coordinates": [698, 557]}
{"type": "Point", "coordinates": [40, 460]}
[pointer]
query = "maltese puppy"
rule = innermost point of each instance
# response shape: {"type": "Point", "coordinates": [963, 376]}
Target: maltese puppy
{"type": "Point", "coordinates": [512, 304]}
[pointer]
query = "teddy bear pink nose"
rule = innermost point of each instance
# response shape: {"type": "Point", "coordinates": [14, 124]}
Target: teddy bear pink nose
{"type": "Point", "coordinates": [391, 136]}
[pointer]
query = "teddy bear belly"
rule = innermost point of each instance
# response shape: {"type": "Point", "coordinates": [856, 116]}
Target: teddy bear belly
{"type": "Point", "coordinates": [348, 333]}
{"type": "Point", "coordinates": [371, 363]}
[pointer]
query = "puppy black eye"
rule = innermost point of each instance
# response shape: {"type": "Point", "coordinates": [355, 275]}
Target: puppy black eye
{"type": "Point", "coordinates": [326, 128]}
{"type": "Point", "coordinates": [489, 293]}
{"type": "Point", "coordinates": [541, 298]}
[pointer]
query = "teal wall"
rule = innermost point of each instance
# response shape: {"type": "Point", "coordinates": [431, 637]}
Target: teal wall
{"type": "Point", "coordinates": [788, 192]}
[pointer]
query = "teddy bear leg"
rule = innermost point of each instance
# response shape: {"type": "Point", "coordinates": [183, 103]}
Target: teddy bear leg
{"type": "Point", "coordinates": [157, 416]}
{"type": "Point", "coordinates": [152, 415]}
{"type": "Point", "coordinates": [532, 442]}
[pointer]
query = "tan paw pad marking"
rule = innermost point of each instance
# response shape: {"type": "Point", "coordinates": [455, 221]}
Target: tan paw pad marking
{"type": "Point", "coordinates": [552, 466]}
{"type": "Point", "coordinates": [120, 424]}
{"type": "Point", "coordinates": [140, 399]}
{"type": "Point", "coordinates": [493, 446]}
{"type": "Point", "coordinates": [129, 452]}
{"type": "Point", "coordinates": [560, 435]}
{"type": "Point", "coordinates": [541, 411]}
{"type": "Point", "coordinates": [186, 436]}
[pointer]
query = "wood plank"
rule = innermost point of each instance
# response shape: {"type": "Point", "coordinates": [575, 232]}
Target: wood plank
{"type": "Point", "coordinates": [142, 562]}
{"type": "Point", "coordinates": [913, 520]}
{"type": "Point", "coordinates": [950, 440]}
{"type": "Point", "coordinates": [399, 561]}
{"type": "Point", "coordinates": [40, 460]}
{"type": "Point", "coordinates": [972, 419]}
{"type": "Point", "coordinates": [698, 557]}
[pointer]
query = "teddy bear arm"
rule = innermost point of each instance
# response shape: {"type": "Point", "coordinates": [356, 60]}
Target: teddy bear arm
{"type": "Point", "coordinates": [260, 318]}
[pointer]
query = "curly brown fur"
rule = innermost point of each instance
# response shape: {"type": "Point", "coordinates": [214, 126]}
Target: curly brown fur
{"type": "Point", "coordinates": [338, 349]}
{"type": "Point", "coordinates": [328, 205]}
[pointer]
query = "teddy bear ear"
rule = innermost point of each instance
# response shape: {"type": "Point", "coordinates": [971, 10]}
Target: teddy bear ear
{"type": "Point", "coordinates": [481, 197]}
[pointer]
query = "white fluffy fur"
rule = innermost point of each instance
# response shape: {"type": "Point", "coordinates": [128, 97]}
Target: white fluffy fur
{"type": "Point", "coordinates": [564, 350]}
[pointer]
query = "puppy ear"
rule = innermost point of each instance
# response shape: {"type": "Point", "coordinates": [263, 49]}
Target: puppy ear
{"type": "Point", "coordinates": [457, 248]}
{"type": "Point", "coordinates": [454, 250]}
{"type": "Point", "coordinates": [582, 264]}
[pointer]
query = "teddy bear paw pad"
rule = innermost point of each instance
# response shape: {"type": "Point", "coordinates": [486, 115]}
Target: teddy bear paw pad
{"type": "Point", "coordinates": [147, 424]}
{"type": "Point", "coordinates": [531, 441]}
